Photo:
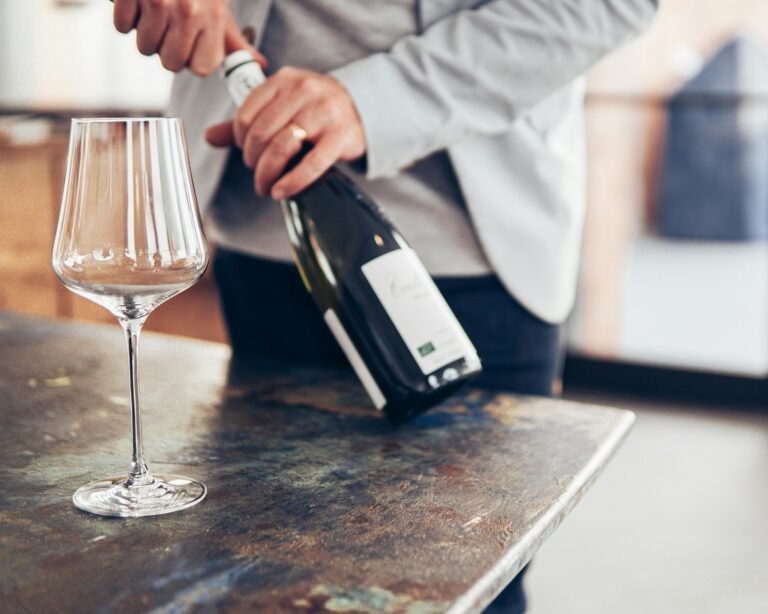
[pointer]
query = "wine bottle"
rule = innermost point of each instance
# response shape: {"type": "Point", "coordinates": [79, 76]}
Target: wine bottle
{"type": "Point", "coordinates": [398, 332]}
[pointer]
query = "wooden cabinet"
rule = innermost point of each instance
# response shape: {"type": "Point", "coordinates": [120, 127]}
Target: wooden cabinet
{"type": "Point", "coordinates": [31, 179]}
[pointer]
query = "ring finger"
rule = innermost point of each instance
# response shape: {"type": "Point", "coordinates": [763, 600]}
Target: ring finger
{"type": "Point", "coordinates": [285, 145]}
{"type": "Point", "coordinates": [268, 124]}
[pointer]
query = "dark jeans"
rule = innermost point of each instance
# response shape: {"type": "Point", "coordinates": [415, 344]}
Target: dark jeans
{"type": "Point", "coordinates": [271, 317]}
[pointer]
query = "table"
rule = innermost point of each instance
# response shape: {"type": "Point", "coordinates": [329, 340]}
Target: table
{"type": "Point", "coordinates": [315, 503]}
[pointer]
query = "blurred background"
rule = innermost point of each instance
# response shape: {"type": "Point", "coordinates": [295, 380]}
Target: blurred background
{"type": "Point", "coordinates": [671, 318]}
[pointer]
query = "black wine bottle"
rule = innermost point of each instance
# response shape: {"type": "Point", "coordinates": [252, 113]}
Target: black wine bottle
{"type": "Point", "coordinates": [400, 336]}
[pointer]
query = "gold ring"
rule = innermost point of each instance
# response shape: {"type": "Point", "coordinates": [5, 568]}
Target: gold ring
{"type": "Point", "coordinates": [297, 132]}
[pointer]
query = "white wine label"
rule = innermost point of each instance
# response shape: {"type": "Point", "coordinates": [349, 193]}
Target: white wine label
{"type": "Point", "coordinates": [419, 312]}
{"type": "Point", "coordinates": [363, 374]}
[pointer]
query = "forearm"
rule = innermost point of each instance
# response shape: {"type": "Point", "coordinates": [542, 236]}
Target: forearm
{"type": "Point", "coordinates": [477, 71]}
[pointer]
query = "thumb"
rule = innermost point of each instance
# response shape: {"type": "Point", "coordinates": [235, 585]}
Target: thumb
{"type": "Point", "coordinates": [235, 40]}
{"type": "Point", "coordinates": [220, 135]}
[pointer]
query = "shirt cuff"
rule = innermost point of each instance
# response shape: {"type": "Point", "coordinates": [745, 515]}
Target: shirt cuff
{"type": "Point", "coordinates": [392, 108]}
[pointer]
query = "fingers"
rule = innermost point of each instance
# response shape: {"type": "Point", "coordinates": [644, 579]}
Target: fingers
{"type": "Point", "coordinates": [276, 156]}
{"type": "Point", "coordinates": [318, 160]}
{"type": "Point", "coordinates": [150, 31]}
{"type": "Point", "coordinates": [125, 14]}
{"type": "Point", "coordinates": [235, 40]}
{"type": "Point", "coordinates": [268, 124]}
{"type": "Point", "coordinates": [192, 33]}
{"type": "Point", "coordinates": [179, 42]}
{"type": "Point", "coordinates": [257, 100]}
{"type": "Point", "coordinates": [262, 128]}
{"type": "Point", "coordinates": [262, 60]}
{"type": "Point", "coordinates": [208, 53]}
{"type": "Point", "coordinates": [220, 135]}
{"type": "Point", "coordinates": [268, 108]}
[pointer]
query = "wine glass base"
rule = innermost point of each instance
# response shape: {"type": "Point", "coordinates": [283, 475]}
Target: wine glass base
{"type": "Point", "coordinates": [163, 495]}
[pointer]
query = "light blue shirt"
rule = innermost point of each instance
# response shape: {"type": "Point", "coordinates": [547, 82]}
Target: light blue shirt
{"type": "Point", "coordinates": [424, 201]}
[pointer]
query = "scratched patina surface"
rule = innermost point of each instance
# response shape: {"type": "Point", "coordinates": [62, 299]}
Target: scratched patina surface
{"type": "Point", "coordinates": [315, 503]}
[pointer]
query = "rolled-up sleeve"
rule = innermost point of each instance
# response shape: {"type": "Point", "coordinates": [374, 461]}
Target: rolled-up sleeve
{"type": "Point", "coordinates": [478, 70]}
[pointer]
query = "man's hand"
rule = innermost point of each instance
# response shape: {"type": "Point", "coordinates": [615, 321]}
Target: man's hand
{"type": "Point", "coordinates": [272, 123]}
{"type": "Point", "coordinates": [191, 33]}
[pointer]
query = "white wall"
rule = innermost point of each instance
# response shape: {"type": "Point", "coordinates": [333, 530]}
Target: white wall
{"type": "Point", "coordinates": [65, 55]}
{"type": "Point", "coordinates": [697, 305]}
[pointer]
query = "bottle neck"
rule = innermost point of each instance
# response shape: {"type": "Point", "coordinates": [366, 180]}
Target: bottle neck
{"type": "Point", "coordinates": [242, 77]}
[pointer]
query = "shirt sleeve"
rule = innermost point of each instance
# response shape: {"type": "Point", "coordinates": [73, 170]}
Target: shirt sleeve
{"type": "Point", "coordinates": [478, 70]}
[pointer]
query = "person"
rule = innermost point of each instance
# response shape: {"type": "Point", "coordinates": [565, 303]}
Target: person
{"type": "Point", "coordinates": [463, 119]}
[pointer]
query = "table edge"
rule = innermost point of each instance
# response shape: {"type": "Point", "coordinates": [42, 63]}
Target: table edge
{"type": "Point", "coordinates": [482, 592]}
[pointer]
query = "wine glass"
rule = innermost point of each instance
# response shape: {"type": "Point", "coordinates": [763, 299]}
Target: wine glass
{"type": "Point", "coordinates": [129, 238]}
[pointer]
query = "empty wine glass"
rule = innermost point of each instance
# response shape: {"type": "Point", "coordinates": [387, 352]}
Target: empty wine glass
{"type": "Point", "coordinates": [129, 238]}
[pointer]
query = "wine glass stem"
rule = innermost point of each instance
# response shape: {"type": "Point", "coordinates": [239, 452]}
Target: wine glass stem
{"type": "Point", "coordinates": [139, 473]}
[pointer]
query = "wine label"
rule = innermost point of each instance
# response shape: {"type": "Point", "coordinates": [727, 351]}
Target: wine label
{"type": "Point", "coordinates": [362, 372]}
{"type": "Point", "coordinates": [419, 312]}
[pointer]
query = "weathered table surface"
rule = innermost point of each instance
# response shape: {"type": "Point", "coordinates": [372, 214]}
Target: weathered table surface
{"type": "Point", "coordinates": [314, 504]}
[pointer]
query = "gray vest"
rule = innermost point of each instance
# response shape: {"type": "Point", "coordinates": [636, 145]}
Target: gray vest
{"type": "Point", "coordinates": [497, 87]}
